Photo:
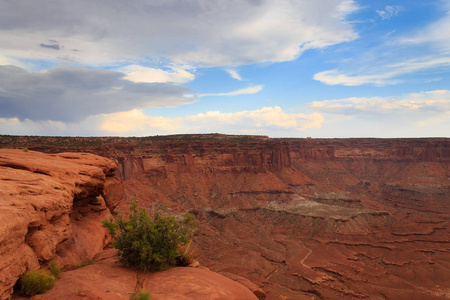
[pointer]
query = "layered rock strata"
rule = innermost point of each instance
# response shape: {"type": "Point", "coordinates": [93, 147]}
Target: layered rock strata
{"type": "Point", "coordinates": [299, 218]}
{"type": "Point", "coordinates": [51, 208]}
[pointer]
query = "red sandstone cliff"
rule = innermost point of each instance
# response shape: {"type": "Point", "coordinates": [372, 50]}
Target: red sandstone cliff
{"type": "Point", "coordinates": [51, 207]}
{"type": "Point", "coordinates": [302, 219]}
{"type": "Point", "coordinates": [49, 210]}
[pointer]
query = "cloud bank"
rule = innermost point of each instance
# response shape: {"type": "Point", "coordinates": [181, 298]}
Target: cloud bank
{"type": "Point", "coordinates": [424, 102]}
{"type": "Point", "coordinates": [415, 114]}
{"type": "Point", "coordinates": [383, 74]}
{"type": "Point", "coordinates": [266, 119]}
{"type": "Point", "coordinates": [72, 94]}
{"type": "Point", "coordinates": [204, 33]}
{"type": "Point", "coordinates": [136, 123]}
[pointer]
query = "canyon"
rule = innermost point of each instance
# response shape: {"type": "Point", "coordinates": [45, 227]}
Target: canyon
{"type": "Point", "coordinates": [289, 218]}
{"type": "Point", "coordinates": [51, 210]}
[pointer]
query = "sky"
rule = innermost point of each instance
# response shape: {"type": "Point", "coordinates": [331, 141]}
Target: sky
{"type": "Point", "coordinates": [281, 68]}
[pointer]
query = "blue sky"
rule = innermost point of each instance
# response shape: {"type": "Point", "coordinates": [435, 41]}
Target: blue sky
{"type": "Point", "coordinates": [330, 68]}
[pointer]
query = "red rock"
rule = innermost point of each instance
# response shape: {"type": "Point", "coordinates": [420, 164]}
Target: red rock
{"type": "Point", "coordinates": [108, 280]}
{"type": "Point", "coordinates": [194, 283]}
{"type": "Point", "coordinates": [248, 284]}
{"type": "Point", "coordinates": [305, 218]}
{"type": "Point", "coordinates": [45, 206]}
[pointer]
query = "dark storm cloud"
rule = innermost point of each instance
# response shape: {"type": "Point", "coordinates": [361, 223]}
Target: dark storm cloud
{"type": "Point", "coordinates": [71, 94]}
{"type": "Point", "coordinates": [51, 45]}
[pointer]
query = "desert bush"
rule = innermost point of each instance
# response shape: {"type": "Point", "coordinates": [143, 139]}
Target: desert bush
{"type": "Point", "coordinates": [55, 270]}
{"type": "Point", "coordinates": [150, 241]}
{"type": "Point", "coordinates": [142, 295]}
{"type": "Point", "coordinates": [36, 282]}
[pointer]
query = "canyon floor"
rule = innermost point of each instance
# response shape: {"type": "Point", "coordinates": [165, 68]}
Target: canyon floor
{"type": "Point", "coordinates": [292, 218]}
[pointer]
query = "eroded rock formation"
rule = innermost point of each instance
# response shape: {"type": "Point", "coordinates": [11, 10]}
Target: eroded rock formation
{"type": "Point", "coordinates": [301, 219]}
{"type": "Point", "coordinates": [51, 207]}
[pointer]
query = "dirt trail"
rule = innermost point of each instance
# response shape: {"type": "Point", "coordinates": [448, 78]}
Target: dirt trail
{"type": "Point", "coordinates": [306, 256]}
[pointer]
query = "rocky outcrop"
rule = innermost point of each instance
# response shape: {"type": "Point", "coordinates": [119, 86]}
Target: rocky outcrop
{"type": "Point", "coordinates": [50, 210]}
{"type": "Point", "coordinates": [298, 218]}
{"type": "Point", "coordinates": [105, 279]}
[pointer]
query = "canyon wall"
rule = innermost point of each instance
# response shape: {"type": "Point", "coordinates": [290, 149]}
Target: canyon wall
{"type": "Point", "coordinates": [300, 218]}
{"type": "Point", "coordinates": [51, 208]}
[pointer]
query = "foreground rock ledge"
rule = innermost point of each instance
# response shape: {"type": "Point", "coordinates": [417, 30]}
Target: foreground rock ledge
{"type": "Point", "coordinates": [106, 279]}
{"type": "Point", "coordinates": [50, 210]}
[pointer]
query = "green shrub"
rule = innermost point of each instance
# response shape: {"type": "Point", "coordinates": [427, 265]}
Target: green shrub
{"type": "Point", "coordinates": [36, 282]}
{"type": "Point", "coordinates": [142, 295]}
{"type": "Point", "coordinates": [55, 270]}
{"type": "Point", "coordinates": [25, 149]}
{"type": "Point", "coordinates": [150, 242]}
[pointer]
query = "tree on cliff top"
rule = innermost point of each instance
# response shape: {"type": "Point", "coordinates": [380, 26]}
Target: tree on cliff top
{"type": "Point", "coordinates": [151, 241]}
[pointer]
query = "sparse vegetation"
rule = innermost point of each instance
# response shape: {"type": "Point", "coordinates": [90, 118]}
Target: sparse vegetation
{"type": "Point", "coordinates": [142, 295]}
{"type": "Point", "coordinates": [151, 242]}
{"type": "Point", "coordinates": [36, 282]}
{"type": "Point", "coordinates": [55, 270]}
{"type": "Point", "coordinates": [25, 149]}
{"type": "Point", "coordinates": [84, 264]}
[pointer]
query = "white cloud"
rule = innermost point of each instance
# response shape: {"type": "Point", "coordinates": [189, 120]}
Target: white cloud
{"type": "Point", "coordinates": [389, 12]}
{"type": "Point", "coordinates": [437, 34]}
{"type": "Point", "coordinates": [334, 77]}
{"type": "Point", "coordinates": [435, 121]}
{"type": "Point", "coordinates": [396, 55]}
{"type": "Point", "coordinates": [424, 114]}
{"type": "Point", "coordinates": [267, 120]}
{"type": "Point", "coordinates": [234, 74]}
{"type": "Point", "coordinates": [203, 33]}
{"type": "Point", "coordinates": [136, 121]}
{"type": "Point", "coordinates": [266, 117]}
{"type": "Point", "coordinates": [14, 126]}
{"type": "Point", "coordinates": [137, 73]}
{"type": "Point", "coordinates": [245, 91]}
{"type": "Point", "coordinates": [8, 61]}
{"type": "Point", "coordinates": [382, 74]}
{"type": "Point", "coordinates": [425, 103]}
